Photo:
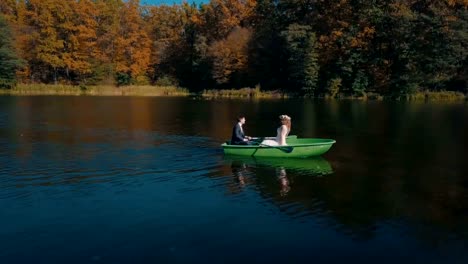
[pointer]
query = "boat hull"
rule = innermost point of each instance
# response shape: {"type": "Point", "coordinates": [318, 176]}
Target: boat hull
{"type": "Point", "coordinates": [305, 147]}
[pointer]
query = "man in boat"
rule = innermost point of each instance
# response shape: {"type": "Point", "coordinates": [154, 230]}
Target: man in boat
{"type": "Point", "coordinates": [238, 136]}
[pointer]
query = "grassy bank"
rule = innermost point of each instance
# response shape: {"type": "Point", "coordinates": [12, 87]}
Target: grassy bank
{"type": "Point", "coordinates": [44, 89]}
{"type": "Point", "coordinates": [243, 93]}
{"type": "Point", "coordinates": [246, 93]}
{"type": "Point", "coordinates": [256, 93]}
{"type": "Point", "coordinates": [437, 96]}
{"type": "Point", "coordinates": [441, 96]}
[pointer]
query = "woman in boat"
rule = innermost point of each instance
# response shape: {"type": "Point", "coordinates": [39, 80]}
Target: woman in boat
{"type": "Point", "coordinates": [281, 133]}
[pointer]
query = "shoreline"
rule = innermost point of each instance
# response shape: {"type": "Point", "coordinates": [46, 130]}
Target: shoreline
{"type": "Point", "coordinates": [244, 93]}
{"type": "Point", "coordinates": [95, 90]}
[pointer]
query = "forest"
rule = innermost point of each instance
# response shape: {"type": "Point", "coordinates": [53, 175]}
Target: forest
{"type": "Point", "coordinates": [304, 47]}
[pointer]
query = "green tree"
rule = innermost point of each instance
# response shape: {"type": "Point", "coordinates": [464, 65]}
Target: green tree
{"type": "Point", "coordinates": [303, 67]}
{"type": "Point", "coordinates": [311, 66]}
{"type": "Point", "coordinates": [418, 45]}
{"type": "Point", "coordinates": [9, 61]}
{"type": "Point", "coordinates": [267, 57]}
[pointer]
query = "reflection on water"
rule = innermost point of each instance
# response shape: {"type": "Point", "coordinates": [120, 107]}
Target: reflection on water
{"type": "Point", "coordinates": [317, 166]}
{"type": "Point", "coordinates": [239, 169]}
{"type": "Point", "coordinates": [132, 180]}
{"type": "Point", "coordinates": [283, 179]}
{"type": "Point", "coordinates": [279, 167]}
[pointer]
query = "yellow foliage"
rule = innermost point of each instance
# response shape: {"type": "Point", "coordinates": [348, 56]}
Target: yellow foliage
{"type": "Point", "coordinates": [460, 2]}
{"type": "Point", "coordinates": [401, 10]}
{"type": "Point", "coordinates": [337, 33]}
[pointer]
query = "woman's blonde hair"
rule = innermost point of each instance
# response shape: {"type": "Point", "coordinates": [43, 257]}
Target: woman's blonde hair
{"type": "Point", "coordinates": [286, 120]}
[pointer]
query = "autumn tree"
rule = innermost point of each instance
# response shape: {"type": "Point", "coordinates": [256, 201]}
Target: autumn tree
{"type": "Point", "coordinates": [8, 10]}
{"type": "Point", "coordinates": [166, 26]}
{"type": "Point", "coordinates": [132, 46]}
{"type": "Point", "coordinates": [46, 41]}
{"type": "Point", "coordinates": [107, 31]}
{"type": "Point", "coordinates": [81, 41]}
{"type": "Point", "coordinates": [9, 61]}
{"type": "Point", "coordinates": [208, 29]}
{"type": "Point", "coordinates": [221, 17]}
{"type": "Point", "coordinates": [230, 57]}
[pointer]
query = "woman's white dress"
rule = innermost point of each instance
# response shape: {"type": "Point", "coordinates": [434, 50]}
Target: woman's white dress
{"type": "Point", "coordinates": [280, 139]}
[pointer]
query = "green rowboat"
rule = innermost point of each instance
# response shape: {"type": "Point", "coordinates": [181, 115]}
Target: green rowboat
{"type": "Point", "coordinates": [296, 147]}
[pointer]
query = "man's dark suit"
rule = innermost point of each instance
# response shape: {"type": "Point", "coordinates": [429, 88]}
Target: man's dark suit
{"type": "Point", "coordinates": [238, 135]}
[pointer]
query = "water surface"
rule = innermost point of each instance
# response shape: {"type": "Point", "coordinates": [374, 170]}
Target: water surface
{"type": "Point", "coordinates": [144, 180]}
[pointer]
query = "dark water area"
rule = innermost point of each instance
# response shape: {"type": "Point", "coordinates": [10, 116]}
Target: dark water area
{"type": "Point", "coordinates": [144, 180]}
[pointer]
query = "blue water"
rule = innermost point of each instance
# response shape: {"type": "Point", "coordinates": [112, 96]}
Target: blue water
{"type": "Point", "coordinates": [143, 180]}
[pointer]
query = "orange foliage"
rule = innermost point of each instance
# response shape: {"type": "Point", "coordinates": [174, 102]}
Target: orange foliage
{"type": "Point", "coordinates": [220, 17]}
{"type": "Point", "coordinates": [132, 45]}
{"type": "Point", "coordinates": [165, 25]}
{"type": "Point", "coordinates": [460, 2]}
{"type": "Point", "coordinates": [47, 18]}
{"type": "Point", "coordinates": [7, 8]}
{"type": "Point", "coordinates": [82, 39]}
{"type": "Point", "coordinates": [230, 55]}
{"type": "Point", "coordinates": [362, 38]}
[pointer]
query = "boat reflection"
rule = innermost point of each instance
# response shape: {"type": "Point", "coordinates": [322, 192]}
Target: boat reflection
{"type": "Point", "coordinates": [262, 168]}
{"type": "Point", "coordinates": [317, 166]}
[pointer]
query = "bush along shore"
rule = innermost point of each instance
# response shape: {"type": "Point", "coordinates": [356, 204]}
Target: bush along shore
{"type": "Point", "coordinates": [245, 93]}
{"type": "Point", "coordinates": [97, 90]}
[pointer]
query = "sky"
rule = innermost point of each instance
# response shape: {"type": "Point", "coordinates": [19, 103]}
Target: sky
{"type": "Point", "coordinates": [170, 2]}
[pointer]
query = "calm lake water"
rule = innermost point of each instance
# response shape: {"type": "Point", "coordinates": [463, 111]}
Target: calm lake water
{"type": "Point", "coordinates": [144, 180]}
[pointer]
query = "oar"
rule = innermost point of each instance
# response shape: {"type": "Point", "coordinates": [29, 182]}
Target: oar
{"type": "Point", "coordinates": [258, 140]}
{"type": "Point", "coordinates": [285, 149]}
